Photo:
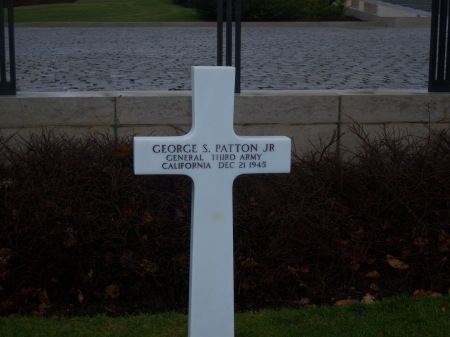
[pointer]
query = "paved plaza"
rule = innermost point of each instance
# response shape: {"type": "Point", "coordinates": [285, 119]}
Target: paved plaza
{"type": "Point", "coordinates": [274, 58]}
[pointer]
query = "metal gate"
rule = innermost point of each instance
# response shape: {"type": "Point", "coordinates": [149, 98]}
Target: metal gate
{"type": "Point", "coordinates": [7, 51]}
{"type": "Point", "coordinates": [229, 37]}
{"type": "Point", "coordinates": [439, 75]}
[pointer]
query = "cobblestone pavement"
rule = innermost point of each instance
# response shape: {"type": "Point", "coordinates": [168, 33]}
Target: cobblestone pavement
{"type": "Point", "coordinates": [157, 58]}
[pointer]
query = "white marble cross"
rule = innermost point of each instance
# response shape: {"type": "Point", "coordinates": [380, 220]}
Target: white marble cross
{"type": "Point", "coordinates": [213, 156]}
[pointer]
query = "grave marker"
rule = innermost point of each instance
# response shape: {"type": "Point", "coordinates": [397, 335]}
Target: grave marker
{"type": "Point", "coordinates": [213, 156]}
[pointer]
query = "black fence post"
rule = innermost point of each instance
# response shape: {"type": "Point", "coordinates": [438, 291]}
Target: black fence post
{"type": "Point", "coordinates": [229, 32]}
{"type": "Point", "coordinates": [229, 38]}
{"type": "Point", "coordinates": [7, 87]}
{"type": "Point", "coordinates": [237, 46]}
{"type": "Point", "coordinates": [439, 70]}
{"type": "Point", "coordinates": [219, 32]}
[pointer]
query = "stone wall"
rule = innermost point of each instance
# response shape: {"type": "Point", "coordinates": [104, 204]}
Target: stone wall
{"type": "Point", "coordinates": [305, 116]}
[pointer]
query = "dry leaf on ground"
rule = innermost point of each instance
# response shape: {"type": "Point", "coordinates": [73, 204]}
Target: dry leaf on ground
{"type": "Point", "coordinates": [355, 266]}
{"type": "Point", "coordinates": [341, 303]}
{"type": "Point", "coordinates": [374, 286]}
{"type": "Point", "coordinates": [419, 293]}
{"type": "Point", "coordinates": [113, 291]}
{"type": "Point", "coordinates": [36, 313]}
{"type": "Point", "coordinates": [122, 151]}
{"type": "Point", "coordinates": [80, 296]}
{"type": "Point", "coordinates": [372, 274]}
{"type": "Point", "coordinates": [148, 266]}
{"type": "Point", "coordinates": [396, 263]}
{"type": "Point", "coordinates": [420, 242]}
{"type": "Point", "coordinates": [248, 262]}
{"type": "Point", "coordinates": [434, 294]}
{"type": "Point", "coordinates": [368, 299]}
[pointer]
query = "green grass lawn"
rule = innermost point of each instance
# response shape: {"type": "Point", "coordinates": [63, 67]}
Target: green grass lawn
{"type": "Point", "coordinates": [400, 317]}
{"type": "Point", "coordinates": [109, 11]}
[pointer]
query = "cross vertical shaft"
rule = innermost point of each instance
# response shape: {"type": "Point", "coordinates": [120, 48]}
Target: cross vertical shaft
{"type": "Point", "coordinates": [211, 291]}
{"type": "Point", "coordinates": [211, 285]}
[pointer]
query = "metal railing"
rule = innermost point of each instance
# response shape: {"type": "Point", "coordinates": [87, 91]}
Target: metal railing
{"type": "Point", "coordinates": [229, 37]}
{"type": "Point", "coordinates": [7, 87]}
{"type": "Point", "coordinates": [439, 71]}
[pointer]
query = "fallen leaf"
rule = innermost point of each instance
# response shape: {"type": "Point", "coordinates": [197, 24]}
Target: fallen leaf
{"type": "Point", "coordinates": [249, 262]}
{"type": "Point", "coordinates": [396, 263]}
{"type": "Point", "coordinates": [113, 291]}
{"type": "Point", "coordinates": [179, 213]}
{"type": "Point", "coordinates": [372, 275]}
{"type": "Point", "coordinates": [80, 296]}
{"type": "Point", "coordinates": [419, 293]}
{"type": "Point", "coordinates": [373, 286]}
{"type": "Point", "coordinates": [148, 266]}
{"type": "Point", "coordinates": [244, 285]}
{"type": "Point", "coordinates": [292, 270]}
{"type": "Point", "coordinates": [122, 151]}
{"type": "Point", "coordinates": [420, 242]}
{"type": "Point", "coordinates": [341, 303]}
{"type": "Point", "coordinates": [5, 255]}
{"type": "Point", "coordinates": [303, 301]}
{"type": "Point", "coordinates": [6, 183]}
{"type": "Point", "coordinates": [148, 216]}
{"type": "Point", "coordinates": [434, 294]}
{"type": "Point", "coordinates": [355, 266]}
{"type": "Point", "coordinates": [368, 299]}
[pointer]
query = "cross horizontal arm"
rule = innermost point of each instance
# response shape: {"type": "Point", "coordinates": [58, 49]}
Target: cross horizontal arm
{"type": "Point", "coordinates": [194, 156]}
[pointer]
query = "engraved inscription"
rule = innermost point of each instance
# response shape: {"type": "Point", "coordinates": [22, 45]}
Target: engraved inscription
{"type": "Point", "coordinates": [212, 156]}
